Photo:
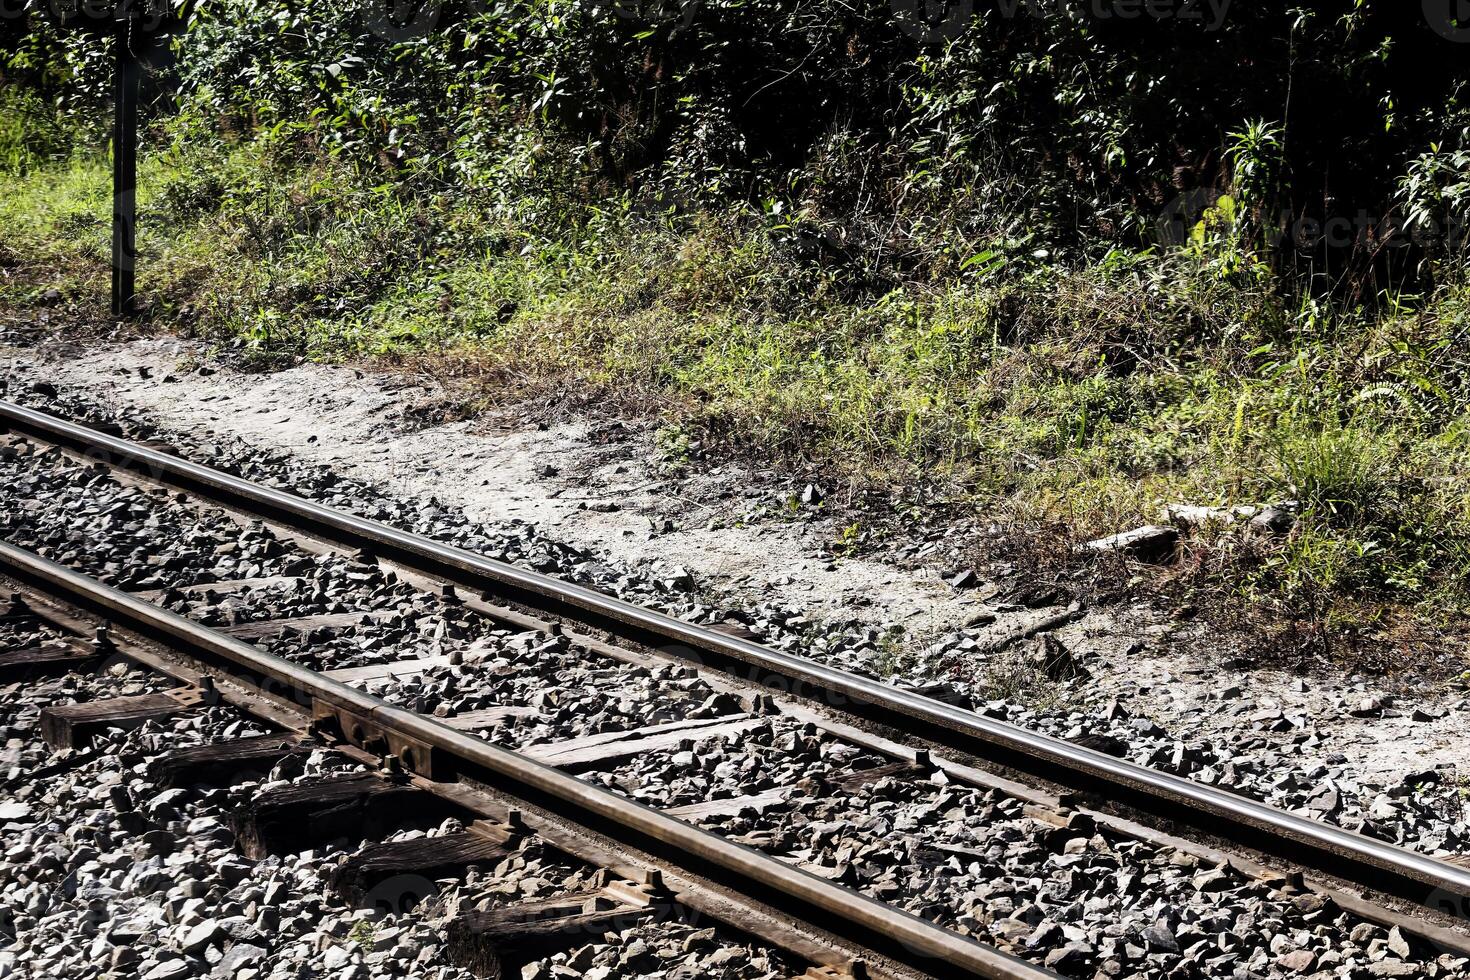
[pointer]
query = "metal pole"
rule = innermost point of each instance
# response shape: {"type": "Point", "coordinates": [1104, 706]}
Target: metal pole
{"type": "Point", "coordinates": [125, 176]}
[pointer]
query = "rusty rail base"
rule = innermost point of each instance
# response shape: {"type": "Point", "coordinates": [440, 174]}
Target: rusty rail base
{"type": "Point", "coordinates": [739, 915]}
{"type": "Point", "coordinates": [448, 754]}
{"type": "Point", "coordinates": [1418, 878]}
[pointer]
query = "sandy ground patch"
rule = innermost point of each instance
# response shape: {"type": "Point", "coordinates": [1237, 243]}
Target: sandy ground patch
{"type": "Point", "coordinates": [604, 490]}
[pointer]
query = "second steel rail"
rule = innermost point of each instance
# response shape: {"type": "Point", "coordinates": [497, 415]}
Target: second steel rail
{"type": "Point", "coordinates": [1418, 877]}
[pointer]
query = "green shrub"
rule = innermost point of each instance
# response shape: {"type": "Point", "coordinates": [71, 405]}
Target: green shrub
{"type": "Point", "coordinates": [1040, 266]}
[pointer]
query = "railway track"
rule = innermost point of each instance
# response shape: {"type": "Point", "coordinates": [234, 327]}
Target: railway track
{"type": "Point", "coordinates": [338, 668]}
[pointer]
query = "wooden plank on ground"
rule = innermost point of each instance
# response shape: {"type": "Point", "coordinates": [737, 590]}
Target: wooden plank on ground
{"type": "Point", "coordinates": [611, 748]}
{"type": "Point", "coordinates": [359, 877]}
{"type": "Point", "coordinates": [48, 659]}
{"type": "Point", "coordinates": [377, 672]}
{"type": "Point", "coordinates": [251, 632]}
{"type": "Point", "coordinates": [73, 726]}
{"type": "Point", "coordinates": [224, 762]}
{"type": "Point", "coordinates": [471, 721]}
{"type": "Point", "coordinates": [705, 809]}
{"type": "Point", "coordinates": [498, 943]}
{"type": "Point", "coordinates": [760, 802]}
{"type": "Point", "coordinates": [356, 806]}
{"type": "Point", "coordinates": [957, 771]}
{"type": "Point", "coordinates": [227, 587]}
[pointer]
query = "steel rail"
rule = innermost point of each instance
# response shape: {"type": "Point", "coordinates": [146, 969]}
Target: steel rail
{"type": "Point", "coordinates": [865, 917]}
{"type": "Point", "coordinates": [1423, 879]}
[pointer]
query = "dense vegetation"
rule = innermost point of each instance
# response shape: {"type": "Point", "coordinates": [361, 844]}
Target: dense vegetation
{"type": "Point", "coordinates": [1072, 260]}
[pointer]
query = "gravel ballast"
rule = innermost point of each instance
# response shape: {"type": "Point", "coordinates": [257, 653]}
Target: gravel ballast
{"type": "Point", "coordinates": [1076, 900]}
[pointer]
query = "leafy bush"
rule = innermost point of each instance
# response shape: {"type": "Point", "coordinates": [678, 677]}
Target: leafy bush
{"type": "Point", "coordinates": [1054, 263]}
{"type": "Point", "coordinates": [883, 148]}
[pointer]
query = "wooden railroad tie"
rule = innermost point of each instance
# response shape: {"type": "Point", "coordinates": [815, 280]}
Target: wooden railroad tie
{"type": "Point", "coordinates": [377, 672]}
{"type": "Point", "coordinates": [225, 762]}
{"type": "Point", "coordinates": [760, 802]}
{"type": "Point", "coordinates": [49, 659]}
{"type": "Point", "coordinates": [497, 943]}
{"type": "Point", "coordinates": [358, 806]}
{"type": "Point", "coordinates": [611, 748]}
{"type": "Point", "coordinates": [367, 878]}
{"type": "Point", "coordinates": [73, 726]}
{"type": "Point", "coordinates": [250, 632]}
{"type": "Point", "coordinates": [472, 721]}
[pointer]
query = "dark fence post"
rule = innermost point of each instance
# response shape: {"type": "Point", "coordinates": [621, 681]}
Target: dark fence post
{"type": "Point", "coordinates": [125, 175]}
{"type": "Point", "coordinates": [137, 28]}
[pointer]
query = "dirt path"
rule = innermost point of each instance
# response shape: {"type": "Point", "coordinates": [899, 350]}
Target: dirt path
{"type": "Point", "coordinates": [605, 490]}
{"type": "Point", "coordinates": [590, 492]}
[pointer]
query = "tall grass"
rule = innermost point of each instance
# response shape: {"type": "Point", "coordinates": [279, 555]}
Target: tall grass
{"type": "Point", "coordinates": [1341, 475]}
{"type": "Point", "coordinates": [1090, 394]}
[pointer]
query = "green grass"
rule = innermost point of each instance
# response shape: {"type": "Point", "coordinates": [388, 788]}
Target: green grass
{"type": "Point", "coordinates": [1089, 394]}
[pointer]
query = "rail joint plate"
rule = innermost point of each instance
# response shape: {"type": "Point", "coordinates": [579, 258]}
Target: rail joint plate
{"type": "Point", "coordinates": [414, 756]}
